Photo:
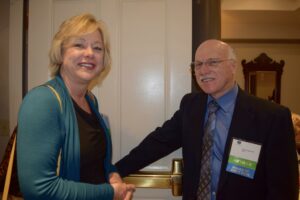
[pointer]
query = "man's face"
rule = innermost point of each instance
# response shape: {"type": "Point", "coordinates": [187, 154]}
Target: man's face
{"type": "Point", "coordinates": [214, 71]}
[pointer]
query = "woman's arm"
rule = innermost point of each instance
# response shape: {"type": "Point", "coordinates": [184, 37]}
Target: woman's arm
{"type": "Point", "coordinates": [40, 139]}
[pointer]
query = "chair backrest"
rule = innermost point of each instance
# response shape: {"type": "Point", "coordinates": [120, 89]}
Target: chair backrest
{"type": "Point", "coordinates": [11, 174]}
{"type": "Point", "coordinates": [255, 70]}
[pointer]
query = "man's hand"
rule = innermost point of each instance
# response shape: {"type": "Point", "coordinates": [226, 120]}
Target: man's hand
{"type": "Point", "coordinates": [115, 178]}
{"type": "Point", "coordinates": [129, 195]}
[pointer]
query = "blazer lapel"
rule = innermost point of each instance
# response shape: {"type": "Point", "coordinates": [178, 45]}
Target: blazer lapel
{"type": "Point", "coordinates": [196, 118]}
{"type": "Point", "coordinates": [240, 127]}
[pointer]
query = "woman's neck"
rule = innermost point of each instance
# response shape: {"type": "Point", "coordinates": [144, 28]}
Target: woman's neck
{"type": "Point", "coordinates": [77, 93]}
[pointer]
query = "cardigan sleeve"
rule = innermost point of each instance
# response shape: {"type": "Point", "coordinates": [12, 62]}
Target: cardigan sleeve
{"type": "Point", "coordinates": [39, 141]}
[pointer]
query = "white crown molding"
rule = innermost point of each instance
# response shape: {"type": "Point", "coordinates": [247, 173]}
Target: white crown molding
{"type": "Point", "coordinates": [287, 5]}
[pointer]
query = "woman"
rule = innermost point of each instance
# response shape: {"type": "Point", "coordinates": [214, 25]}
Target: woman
{"type": "Point", "coordinates": [59, 122]}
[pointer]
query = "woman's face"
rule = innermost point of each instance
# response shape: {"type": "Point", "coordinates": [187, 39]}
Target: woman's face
{"type": "Point", "coordinates": [83, 58]}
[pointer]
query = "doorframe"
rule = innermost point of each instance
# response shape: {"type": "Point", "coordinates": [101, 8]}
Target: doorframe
{"type": "Point", "coordinates": [15, 60]}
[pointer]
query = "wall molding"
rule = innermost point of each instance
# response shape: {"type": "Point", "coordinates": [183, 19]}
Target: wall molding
{"type": "Point", "coordinates": [258, 40]}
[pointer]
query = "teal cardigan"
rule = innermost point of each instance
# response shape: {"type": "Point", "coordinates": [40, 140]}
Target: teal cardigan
{"type": "Point", "coordinates": [47, 127]}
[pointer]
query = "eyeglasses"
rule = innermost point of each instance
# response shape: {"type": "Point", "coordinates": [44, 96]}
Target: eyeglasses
{"type": "Point", "coordinates": [210, 63]}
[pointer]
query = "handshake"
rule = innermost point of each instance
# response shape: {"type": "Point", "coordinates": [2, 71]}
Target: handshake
{"type": "Point", "coordinates": [122, 191]}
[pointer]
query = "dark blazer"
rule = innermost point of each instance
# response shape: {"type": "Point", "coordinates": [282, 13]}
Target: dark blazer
{"type": "Point", "coordinates": [254, 120]}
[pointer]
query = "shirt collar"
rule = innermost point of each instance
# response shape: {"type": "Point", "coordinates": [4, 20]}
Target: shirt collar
{"type": "Point", "coordinates": [227, 100]}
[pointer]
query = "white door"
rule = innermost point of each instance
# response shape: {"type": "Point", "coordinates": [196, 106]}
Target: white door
{"type": "Point", "coordinates": [151, 51]}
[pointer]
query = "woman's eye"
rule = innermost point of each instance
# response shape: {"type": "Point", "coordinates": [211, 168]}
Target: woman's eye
{"type": "Point", "coordinates": [78, 45]}
{"type": "Point", "coordinates": [98, 48]}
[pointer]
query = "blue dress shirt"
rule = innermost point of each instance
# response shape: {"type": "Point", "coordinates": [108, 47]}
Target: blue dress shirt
{"type": "Point", "coordinates": [223, 120]}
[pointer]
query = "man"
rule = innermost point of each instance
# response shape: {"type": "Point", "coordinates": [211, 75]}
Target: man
{"type": "Point", "coordinates": [252, 153]}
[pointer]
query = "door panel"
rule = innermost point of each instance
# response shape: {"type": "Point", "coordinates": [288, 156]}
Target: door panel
{"type": "Point", "coordinates": [142, 70]}
{"type": "Point", "coordinates": [63, 9]}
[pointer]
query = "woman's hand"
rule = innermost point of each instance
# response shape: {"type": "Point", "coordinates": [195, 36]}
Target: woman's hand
{"type": "Point", "coordinates": [120, 191]}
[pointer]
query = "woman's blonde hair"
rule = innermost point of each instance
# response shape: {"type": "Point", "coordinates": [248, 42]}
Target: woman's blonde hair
{"type": "Point", "coordinates": [73, 27]}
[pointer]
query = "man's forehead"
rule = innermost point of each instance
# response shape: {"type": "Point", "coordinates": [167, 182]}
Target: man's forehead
{"type": "Point", "coordinates": [213, 44]}
{"type": "Point", "coordinates": [210, 52]}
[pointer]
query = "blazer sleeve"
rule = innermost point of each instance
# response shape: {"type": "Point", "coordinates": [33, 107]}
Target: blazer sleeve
{"type": "Point", "coordinates": [281, 164]}
{"type": "Point", "coordinates": [39, 140]}
{"type": "Point", "coordinates": [159, 143]}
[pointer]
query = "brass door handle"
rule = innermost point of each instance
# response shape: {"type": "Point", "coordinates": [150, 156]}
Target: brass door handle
{"type": "Point", "coordinates": [162, 180]}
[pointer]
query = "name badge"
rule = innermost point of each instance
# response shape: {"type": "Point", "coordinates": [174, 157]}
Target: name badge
{"type": "Point", "coordinates": [243, 158]}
